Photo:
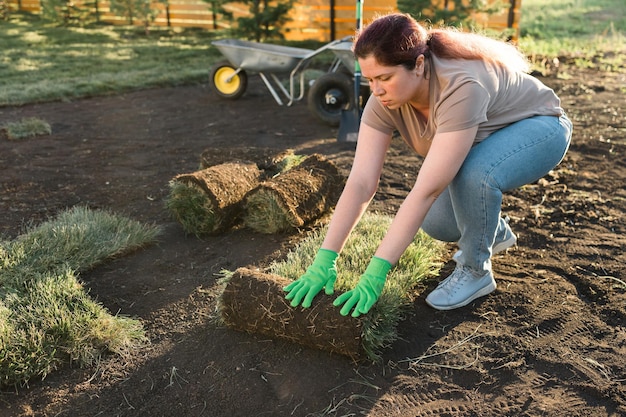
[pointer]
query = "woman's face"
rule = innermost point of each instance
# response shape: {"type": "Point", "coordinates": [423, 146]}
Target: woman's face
{"type": "Point", "coordinates": [396, 85]}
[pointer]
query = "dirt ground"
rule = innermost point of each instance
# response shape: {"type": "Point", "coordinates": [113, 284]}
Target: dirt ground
{"type": "Point", "coordinates": [551, 340]}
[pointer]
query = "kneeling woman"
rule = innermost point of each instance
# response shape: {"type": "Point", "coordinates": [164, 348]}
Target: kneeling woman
{"type": "Point", "coordinates": [483, 125]}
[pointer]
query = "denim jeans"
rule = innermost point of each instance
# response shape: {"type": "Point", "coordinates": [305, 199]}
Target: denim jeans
{"type": "Point", "coordinates": [468, 211]}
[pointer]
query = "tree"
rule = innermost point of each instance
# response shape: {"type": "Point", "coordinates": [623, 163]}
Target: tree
{"type": "Point", "coordinates": [217, 10]}
{"type": "Point", "coordinates": [266, 19]}
{"type": "Point", "coordinates": [4, 9]}
{"type": "Point", "coordinates": [449, 12]}
{"type": "Point", "coordinates": [135, 9]}
{"type": "Point", "coordinates": [65, 12]}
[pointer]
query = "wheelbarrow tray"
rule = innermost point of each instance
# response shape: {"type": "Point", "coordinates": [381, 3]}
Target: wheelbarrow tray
{"type": "Point", "coordinates": [343, 51]}
{"type": "Point", "coordinates": [261, 57]}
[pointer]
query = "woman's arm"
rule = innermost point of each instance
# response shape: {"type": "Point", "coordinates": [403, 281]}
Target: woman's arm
{"type": "Point", "coordinates": [443, 161]}
{"type": "Point", "coordinates": [360, 187]}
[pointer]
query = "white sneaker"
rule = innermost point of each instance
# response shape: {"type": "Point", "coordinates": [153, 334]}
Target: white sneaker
{"type": "Point", "coordinates": [460, 289]}
{"type": "Point", "coordinates": [510, 240]}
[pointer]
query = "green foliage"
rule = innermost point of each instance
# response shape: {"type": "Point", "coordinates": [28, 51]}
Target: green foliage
{"type": "Point", "coordinates": [5, 9]}
{"type": "Point", "coordinates": [448, 12]}
{"type": "Point", "coordinates": [218, 12]}
{"type": "Point", "coordinates": [266, 21]}
{"type": "Point", "coordinates": [46, 316]}
{"type": "Point", "coordinates": [81, 238]}
{"type": "Point", "coordinates": [135, 9]}
{"type": "Point", "coordinates": [64, 12]}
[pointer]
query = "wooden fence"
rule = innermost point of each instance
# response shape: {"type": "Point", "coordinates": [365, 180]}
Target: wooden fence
{"type": "Point", "coordinates": [321, 20]}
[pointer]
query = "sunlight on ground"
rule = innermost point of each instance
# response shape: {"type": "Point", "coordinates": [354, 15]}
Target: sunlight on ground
{"type": "Point", "coordinates": [34, 37]}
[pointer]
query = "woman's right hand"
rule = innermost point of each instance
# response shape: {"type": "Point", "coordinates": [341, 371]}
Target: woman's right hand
{"type": "Point", "coordinates": [321, 274]}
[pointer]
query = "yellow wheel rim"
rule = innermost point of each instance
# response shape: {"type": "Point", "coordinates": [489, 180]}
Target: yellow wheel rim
{"type": "Point", "coordinates": [222, 82]}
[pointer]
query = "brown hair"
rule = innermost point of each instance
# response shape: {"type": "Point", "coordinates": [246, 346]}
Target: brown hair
{"type": "Point", "coordinates": [398, 39]}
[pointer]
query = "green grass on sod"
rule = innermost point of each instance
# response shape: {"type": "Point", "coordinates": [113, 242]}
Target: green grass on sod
{"type": "Point", "coordinates": [47, 318]}
{"type": "Point", "coordinates": [25, 128]}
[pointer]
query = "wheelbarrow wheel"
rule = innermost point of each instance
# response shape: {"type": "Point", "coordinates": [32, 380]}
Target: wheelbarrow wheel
{"type": "Point", "coordinates": [329, 95]}
{"type": "Point", "coordinates": [226, 82]}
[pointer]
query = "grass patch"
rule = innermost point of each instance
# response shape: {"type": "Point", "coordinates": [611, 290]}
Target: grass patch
{"type": "Point", "coordinates": [47, 318]}
{"type": "Point", "coordinates": [42, 62]}
{"type": "Point", "coordinates": [580, 20]}
{"type": "Point", "coordinates": [421, 260]}
{"type": "Point", "coordinates": [26, 128]}
{"type": "Point", "coordinates": [591, 32]}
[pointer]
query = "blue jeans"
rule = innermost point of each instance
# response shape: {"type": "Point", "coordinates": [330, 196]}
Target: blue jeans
{"type": "Point", "coordinates": [468, 211]}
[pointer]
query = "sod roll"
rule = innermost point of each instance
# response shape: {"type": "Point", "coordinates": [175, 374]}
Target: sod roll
{"type": "Point", "coordinates": [209, 201]}
{"type": "Point", "coordinates": [294, 198]}
{"type": "Point", "coordinates": [254, 302]}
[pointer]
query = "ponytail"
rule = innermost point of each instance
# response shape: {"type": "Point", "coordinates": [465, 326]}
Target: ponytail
{"type": "Point", "coordinates": [452, 44]}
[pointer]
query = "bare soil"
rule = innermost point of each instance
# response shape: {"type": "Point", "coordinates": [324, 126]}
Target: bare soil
{"type": "Point", "coordinates": [550, 341]}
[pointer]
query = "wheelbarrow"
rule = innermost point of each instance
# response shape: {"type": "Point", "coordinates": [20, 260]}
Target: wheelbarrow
{"type": "Point", "coordinates": [278, 66]}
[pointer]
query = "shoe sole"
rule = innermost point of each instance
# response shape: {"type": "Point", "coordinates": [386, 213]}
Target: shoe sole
{"type": "Point", "coordinates": [480, 293]}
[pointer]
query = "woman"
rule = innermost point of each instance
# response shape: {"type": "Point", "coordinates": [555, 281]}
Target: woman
{"type": "Point", "coordinates": [465, 103]}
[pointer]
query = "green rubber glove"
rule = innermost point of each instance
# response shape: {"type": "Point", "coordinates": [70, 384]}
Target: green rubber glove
{"type": "Point", "coordinates": [321, 274]}
{"type": "Point", "coordinates": [367, 290]}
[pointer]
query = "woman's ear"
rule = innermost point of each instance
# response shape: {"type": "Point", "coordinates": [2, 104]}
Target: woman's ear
{"type": "Point", "coordinates": [419, 65]}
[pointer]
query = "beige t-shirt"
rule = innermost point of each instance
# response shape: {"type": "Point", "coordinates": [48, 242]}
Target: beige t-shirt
{"type": "Point", "coordinates": [466, 93]}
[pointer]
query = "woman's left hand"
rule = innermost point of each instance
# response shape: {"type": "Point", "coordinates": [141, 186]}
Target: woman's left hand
{"type": "Point", "coordinates": [367, 290]}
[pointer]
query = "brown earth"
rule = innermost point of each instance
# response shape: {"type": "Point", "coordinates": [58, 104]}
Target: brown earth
{"type": "Point", "coordinates": [550, 341]}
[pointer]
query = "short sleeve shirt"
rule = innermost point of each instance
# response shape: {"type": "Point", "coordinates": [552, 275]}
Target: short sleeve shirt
{"type": "Point", "coordinates": [463, 94]}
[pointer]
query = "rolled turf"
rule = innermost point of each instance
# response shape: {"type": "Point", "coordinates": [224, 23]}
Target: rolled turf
{"type": "Point", "coordinates": [294, 198]}
{"type": "Point", "coordinates": [253, 301]}
{"type": "Point", "coordinates": [209, 201]}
